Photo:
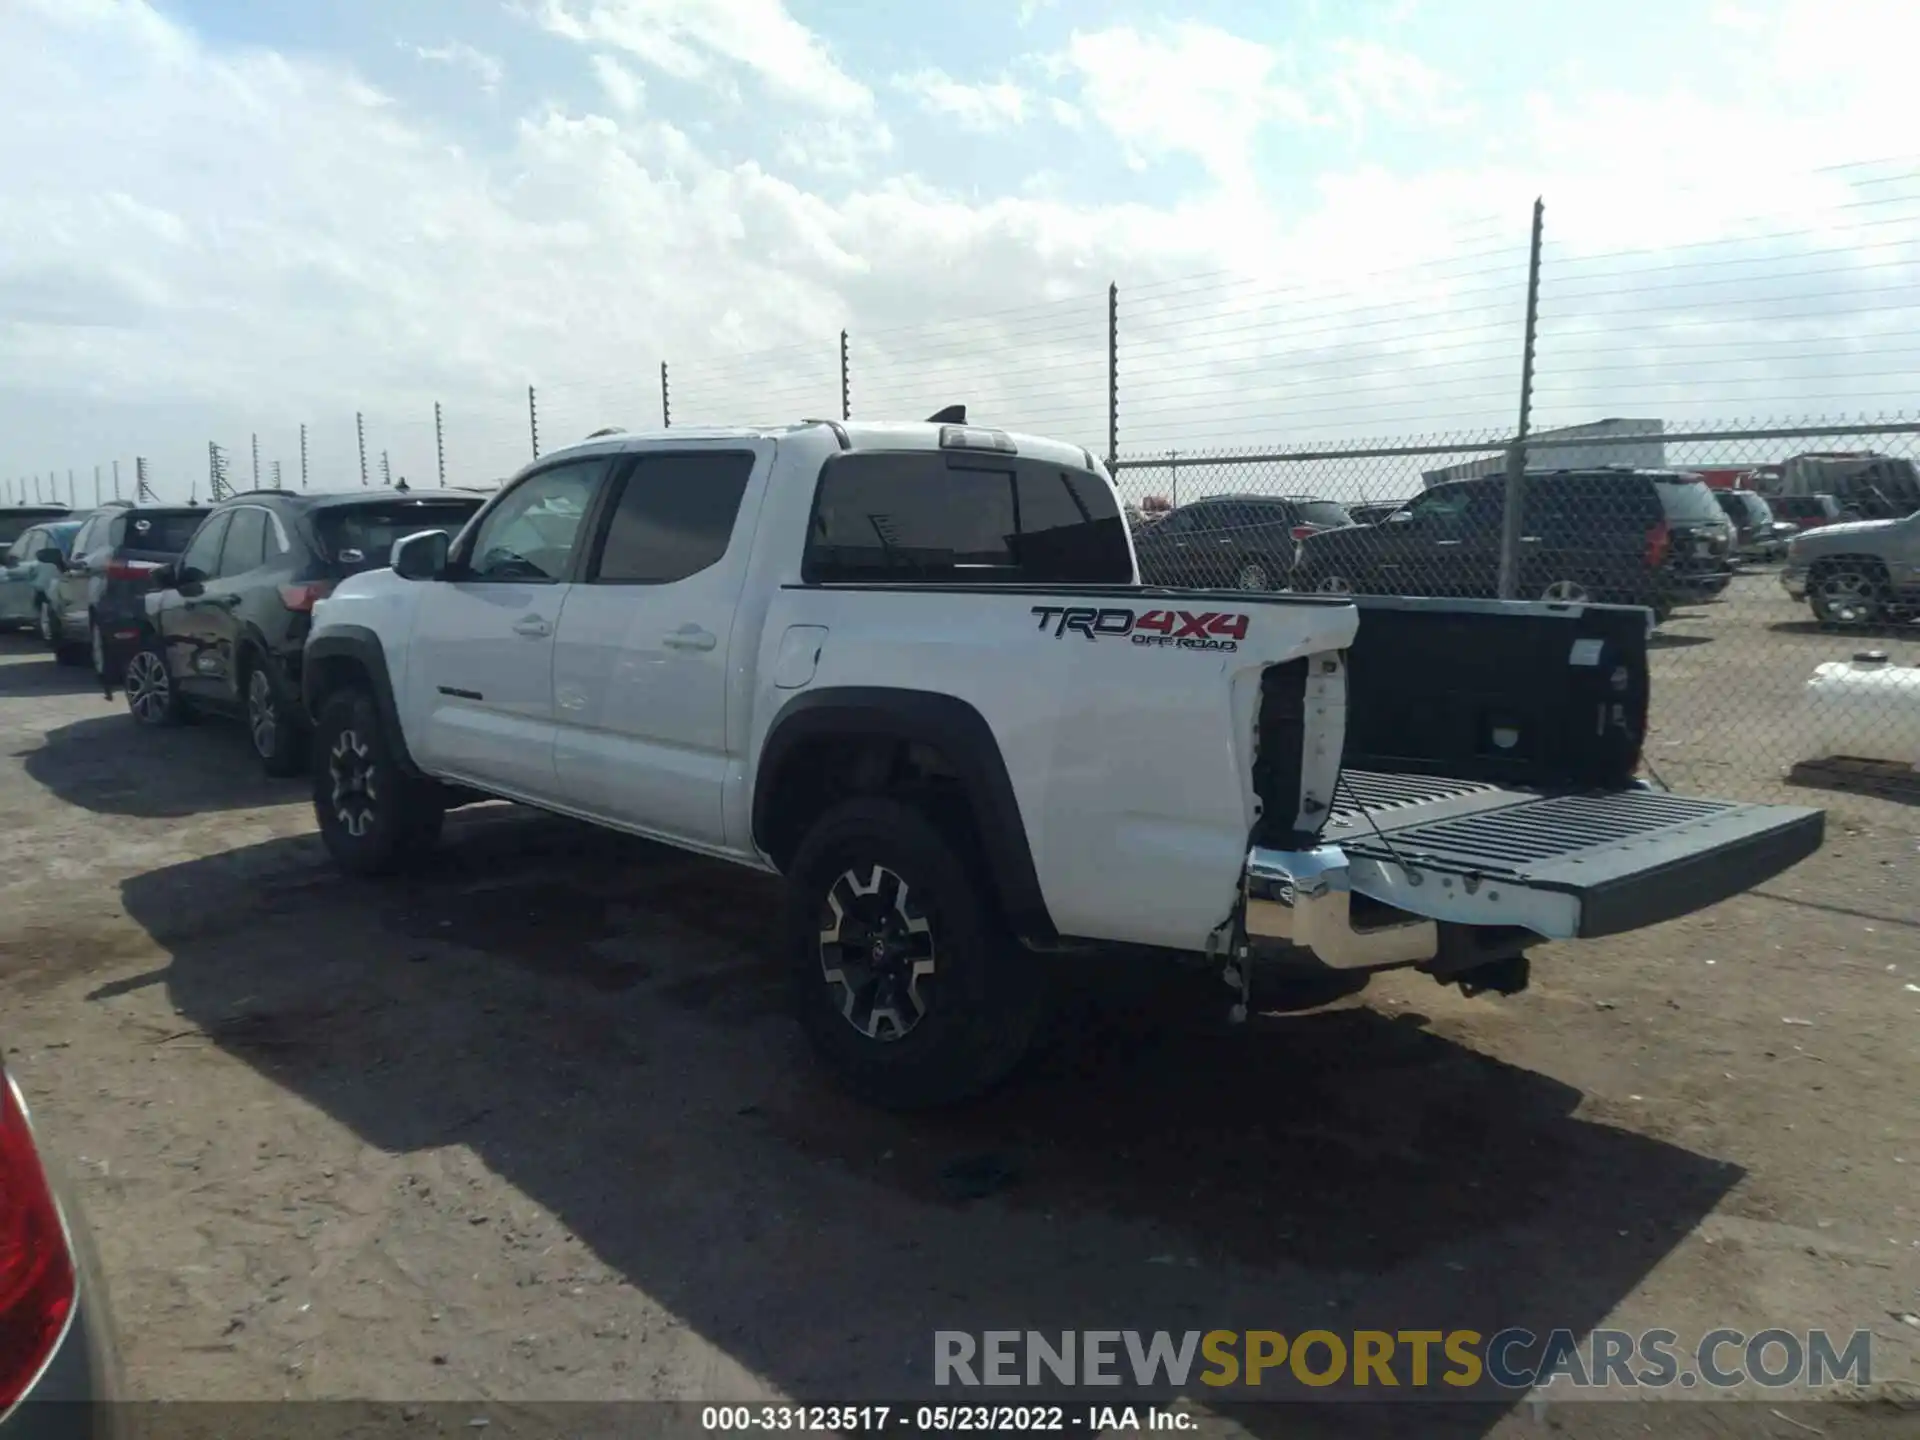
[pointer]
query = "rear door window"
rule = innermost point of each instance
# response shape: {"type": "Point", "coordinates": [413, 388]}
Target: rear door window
{"type": "Point", "coordinates": [919, 516]}
{"type": "Point", "coordinates": [675, 517]}
{"type": "Point", "coordinates": [1325, 513]}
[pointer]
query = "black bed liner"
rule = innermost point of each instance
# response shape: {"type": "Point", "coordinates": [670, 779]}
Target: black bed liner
{"type": "Point", "coordinates": [1631, 857]}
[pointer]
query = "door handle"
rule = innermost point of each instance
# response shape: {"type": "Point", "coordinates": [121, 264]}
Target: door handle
{"type": "Point", "coordinates": [533, 627]}
{"type": "Point", "coordinates": [1449, 542]}
{"type": "Point", "coordinates": [690, 638]}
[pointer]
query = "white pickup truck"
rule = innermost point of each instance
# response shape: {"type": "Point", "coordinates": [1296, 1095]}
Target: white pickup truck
{"type": "Point", "coordinates": [910, 668]}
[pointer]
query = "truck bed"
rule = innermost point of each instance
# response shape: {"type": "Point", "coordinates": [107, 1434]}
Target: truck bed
{"type": "Point", "coordinates": [1567, 864]}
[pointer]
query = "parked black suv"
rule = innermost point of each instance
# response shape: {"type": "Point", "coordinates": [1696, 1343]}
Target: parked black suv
{"type": "Point", "coordinates": [1243, 541]}
{"type": "Point", "coordinates": [15, 520]}
{"type": "Point", "coordinates": [1616, 535]}
{"type": "Point", "coordinates": [224, 629]}
{"type": "Point", "coordinates": [100, 595]}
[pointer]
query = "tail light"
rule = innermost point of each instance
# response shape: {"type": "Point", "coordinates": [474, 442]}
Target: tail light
{"type": "Point", "coordinates": [1659, 542]}
{"type": "Point", "coordinates": [302, 597]}
{"type": "Point", "coordinates": [140, 570]}
{"type": "Point", "coordinates": [36, 1267]}
{"type": "Point", "coordinates": [1300, 532]}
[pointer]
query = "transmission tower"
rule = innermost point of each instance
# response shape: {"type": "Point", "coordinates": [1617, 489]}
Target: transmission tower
{"type": "Point", "coordinates": [217, 486]}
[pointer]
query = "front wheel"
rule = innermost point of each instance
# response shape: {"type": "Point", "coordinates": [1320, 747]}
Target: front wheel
{"type": "Point", "coordinates": [274, 723]}
{"type": "Point", "coordinates": [1848, 595]}
{"type": "Point", "coordinates": [1253, 576]}
{"type": "Point", "coordinates": [905, 978]}
{"type": "Point", "coordinates": [152, 698]}
{"type": "Point", "coordinates": [373, 816]}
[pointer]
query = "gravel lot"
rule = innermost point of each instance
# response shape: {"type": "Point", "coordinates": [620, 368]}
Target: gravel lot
{"type": "Point", "coordinates": [532, 1126]}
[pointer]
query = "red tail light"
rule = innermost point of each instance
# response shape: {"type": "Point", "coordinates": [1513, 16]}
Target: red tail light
{"type": "Point", "coordinates": [1300, 532]}
{"type": "Point", "coordinates": [36, 1268]}
{"type": "Point", "coordinates": [131, 569]}
{"type": "Point", "coordinates": [301, 597]}
{"type": "Point", "coordinates": [1659, 542]}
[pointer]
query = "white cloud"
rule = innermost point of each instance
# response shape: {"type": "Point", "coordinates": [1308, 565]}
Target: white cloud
{"type": "Point", "coordinates": [996, 105]}
{"type": "Point", "coordinates": [684, 39]}
{"type": "Point", "coordinates": [624, 90]}
{"type": "Point", "coordinates": [836, 147]}
{"type": "Point", "coordinates": [484, 67]}
{"type": "Point", "coordinates": [212, 210]}
{"type": "Point", "coordinates": [1192, 90]}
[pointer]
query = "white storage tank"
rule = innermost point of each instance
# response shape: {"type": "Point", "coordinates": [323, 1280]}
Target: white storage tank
{"type": "Point", "coordinates": [1864, 709]}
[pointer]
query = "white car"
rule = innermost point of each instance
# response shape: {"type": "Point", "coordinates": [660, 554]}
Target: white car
{"type": "Point", "coordinates": [909, 668]}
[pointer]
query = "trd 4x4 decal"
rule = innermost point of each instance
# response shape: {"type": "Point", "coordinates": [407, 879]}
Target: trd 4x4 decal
{"type": "Point", "coordinates": [1207, 630]}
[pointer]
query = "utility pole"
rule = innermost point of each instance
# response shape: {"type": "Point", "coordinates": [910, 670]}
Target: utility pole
{"type": "Point", "coordinates": [533, 422]}
{"type": "Point", "coordinates": [303, 457]}
{"type": "Point", "coordinates": [386, 471]}
{"type": "Point", "coordinates": [666, 403]}
{"type": "Point", "coordinates": [256, 460]}
{"type": "Point", "coordinates": [1113, 377]}
{"type": "Point", "coordinates": [276, 475]}
{"type": "Point", "coordinates": [116, 479]}
{"type": "Point", "coordinates": [72, 499]}
{"type": "Point", "coordinates": [1515, 503]}
{"type": "Point", "coordinates": [846, 381]}
{"type": "Point", "coordinates": [217, 486]}
{"type": "Point", "coordinates": [142, 489]}
{"type": "Point", "coordinates": [360, 429]}
{"type": "Point", "coordinates": [440, 444]}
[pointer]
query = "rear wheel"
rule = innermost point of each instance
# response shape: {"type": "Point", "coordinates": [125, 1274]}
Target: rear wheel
{"type": "Point", "coordinates": [373, 816]}
{"type": "Point", "coordinates": [1567, 592]}
{"type": "Point", "coordinates": [1253, 576]}
{"type": "Point", "coordinates": [152, 698]}
{"type": "Point", "coordinates": [278, 730]}
{"type": "Point", "coordinates": [905, 978]}
{"type": "Point", "coordinates": [1848, 593]}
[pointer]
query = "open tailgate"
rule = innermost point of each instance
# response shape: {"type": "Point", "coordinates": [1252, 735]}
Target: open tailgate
{"type": "Point", "coordinates": [1566, 865]}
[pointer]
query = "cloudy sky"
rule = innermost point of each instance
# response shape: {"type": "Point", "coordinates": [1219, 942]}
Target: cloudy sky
{"type": "Point", "coordinates": [227, 218]}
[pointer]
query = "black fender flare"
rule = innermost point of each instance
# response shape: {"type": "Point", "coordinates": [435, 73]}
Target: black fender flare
{"type": "Point", "coordinates": [961, 734]}
{"type": "Point", "coordinates": [358, 644]}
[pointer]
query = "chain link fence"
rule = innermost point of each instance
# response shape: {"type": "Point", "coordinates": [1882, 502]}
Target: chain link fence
{"type": "Point", "coordinates": [1768, 559]}
{"type": "Point", "coordinates": [1228, 404]}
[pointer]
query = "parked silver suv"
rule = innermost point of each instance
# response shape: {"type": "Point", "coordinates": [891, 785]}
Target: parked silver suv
{"type": "Point", "coordinates": [1857, 574]}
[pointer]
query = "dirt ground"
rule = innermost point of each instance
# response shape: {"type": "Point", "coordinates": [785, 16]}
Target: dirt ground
{"type": "Point", "coordinates": [532, 1126]}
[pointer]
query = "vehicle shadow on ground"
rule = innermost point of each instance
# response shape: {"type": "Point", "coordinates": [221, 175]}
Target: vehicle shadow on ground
{"type": "Point", "coordinates": [27, 668]}
{"type": "Point", "coordinates": [1884, 630]}
{"type": "Point", "coordinates": [1661, 640]}
{"type": "Point", "coordinates": [116, 766]}
{"type": "Point", "coordinates": [602, 1021]}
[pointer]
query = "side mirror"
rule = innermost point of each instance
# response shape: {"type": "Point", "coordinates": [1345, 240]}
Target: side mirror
{"type": "Point", "coordinates": [422, 556]}
{"type": "Point", "coordinates": [52, 557]}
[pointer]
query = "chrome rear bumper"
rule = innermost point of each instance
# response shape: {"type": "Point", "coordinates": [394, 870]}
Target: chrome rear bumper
{"type": "Point", "coordinates": [1305, 898]}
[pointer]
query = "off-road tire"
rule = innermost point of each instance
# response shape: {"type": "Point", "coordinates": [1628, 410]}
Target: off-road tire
{"type": "Point", "coordinates": [983, 996]}
{"type": "Point", "coordinates": [374, 817]}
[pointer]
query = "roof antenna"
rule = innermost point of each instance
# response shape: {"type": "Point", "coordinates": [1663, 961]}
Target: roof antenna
{"type": "Point", "coordinates": [952, 415]}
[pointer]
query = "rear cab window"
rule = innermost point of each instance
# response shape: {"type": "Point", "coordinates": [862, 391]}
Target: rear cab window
{"type": "Point", "coordinates": [933, 517]}
{"type": "Point", "coordinates": [361, 537]}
